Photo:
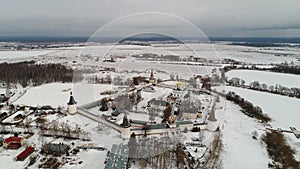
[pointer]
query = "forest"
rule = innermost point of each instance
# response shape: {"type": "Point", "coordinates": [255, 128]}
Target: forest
{"type": "Point", "coordinates": [30, 73]}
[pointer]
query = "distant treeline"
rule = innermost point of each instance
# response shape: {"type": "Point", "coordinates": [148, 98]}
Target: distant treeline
{"type": "Point", "coordinates": [29, 73]}
{"type": "Point", "coordinates": [286, 69]}
{"type": "Point", "coordinates": [262, 44]}
{"type": "Point", "coordinates": [279, 68]}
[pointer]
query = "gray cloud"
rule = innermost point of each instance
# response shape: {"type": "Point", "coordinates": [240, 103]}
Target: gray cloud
{"type": "Point", "coordinates": [215, 18]}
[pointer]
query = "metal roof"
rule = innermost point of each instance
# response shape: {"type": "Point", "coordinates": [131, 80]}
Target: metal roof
{"type": "Point", "coordinates": [72, 101]}
{"type": "Point", "coordinates": [184, 122]}
{"type": "Point", "coordinates": [158, 102]}
{"type": "Point", "coordinates": [117, 157]}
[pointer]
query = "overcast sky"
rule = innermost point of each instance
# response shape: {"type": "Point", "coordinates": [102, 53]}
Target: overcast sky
{"type": "Point", "coordinates": [215, 18]}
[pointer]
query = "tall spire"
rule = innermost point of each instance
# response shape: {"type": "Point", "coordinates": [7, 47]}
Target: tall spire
{"type": "Point", "coordinates": [217, 98]}
{"type": "Point", "coordinates": [125, 122]}
{"type": "Point", "coordinates": [151, 79]}
{"type": "Point", "coordinates": [151, 75]}
{"type": "Point", "coordinates": [212, 116]}
{"type": "Point", "coordinates": [72, 100]}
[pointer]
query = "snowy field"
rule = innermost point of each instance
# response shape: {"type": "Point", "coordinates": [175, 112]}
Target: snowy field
{"type": "Point", "coordinates": [240, 149]}
{"type": "Point", "coordinates": [269, 78]}
{"type": "Point", "coordinates": [215, 51]}
{"type": "Point", "coordinates": [57, 94]}
{"type": "Point", "coordinates": [54, 94]}
{"type": "Point", "coordinates": [257, 55]}
{"type": "Point", "coordinates": [10, 55]}
{"type": "Point", "coordinates": [283, 110]}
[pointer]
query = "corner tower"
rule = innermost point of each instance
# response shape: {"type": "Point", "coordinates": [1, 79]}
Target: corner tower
{"type": "Point", "coordinates": [72, 105]}
{"type": "Point", "coordinates": [211, 120]}
{"type": "Point", "coordinates": [151, 79]}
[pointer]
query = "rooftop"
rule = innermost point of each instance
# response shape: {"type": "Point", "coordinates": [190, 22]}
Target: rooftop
{"type": "Point", "coordinates": [117, 157]}
{"type": "Point", "coordinates": [72, 101]}
{"type": "Point", "coordinates": [13, 139]}
{"type": "Point", "coordinates": [156, 102]}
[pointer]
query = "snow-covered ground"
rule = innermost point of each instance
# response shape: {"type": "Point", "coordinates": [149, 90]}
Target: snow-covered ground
{"type": "Point", "coordinates": [240, 149]}
{"type": "Point", "coordinates": [54, 94]}
{"type": "Point", "coordinates": [57, 94]}
{"type": "Point", "coordinates": [283, 110]}
{"type": "Point", "coordinates": [91, 158]}
{"type": "Point", "coordinates": [10, 55]}
{"type": "Point", "coordinates": [215, 51]}
{"type": "Point", "coordinates": [257, 55]}
{"type": "Point", "coordinates": [269, 78]}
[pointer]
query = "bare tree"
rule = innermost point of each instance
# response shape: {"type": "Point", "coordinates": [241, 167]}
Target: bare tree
{"type": "Point", "coordinates": [104, 104]}
{"type": "Point", "coordinates": [55, 127]}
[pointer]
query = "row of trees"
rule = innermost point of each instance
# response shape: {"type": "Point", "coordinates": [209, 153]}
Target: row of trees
{"type": "Point", "coordinates": [103, 80]}
{"type": "Point", "coordinates": [256, 85]}
{"type": "Point", "coordinates": [54, 128]}
{"type": "Point", "coordinates": [277, 89]}
{"type": "Point", "coordinates": [122, 103]}
{"type": "Point", "coordinates": [283, 68]}
{"type": "Point", "coordinates": [30, 73]}
{"type": "Point", "coordinates": [280, 152]}
{"type": "Point", "coordinates": [286, 69]}
{"type": "Point", "coordinates": [247, 107]}
{"type": "Point", "coordinates": [235, 81]}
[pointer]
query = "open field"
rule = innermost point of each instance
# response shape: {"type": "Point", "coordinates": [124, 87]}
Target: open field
{"type": "Point", "coordinates": [269, 78]}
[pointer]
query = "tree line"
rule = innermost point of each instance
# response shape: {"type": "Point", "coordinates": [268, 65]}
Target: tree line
{"type": "Point", "coordinates": [256, 85]}
{"type": "Point", "coordinates": [280, 151]}
{"type": "Point", "coordinates": [30, 73]}
{"type": "Point", "coordinates": [283, 68]}
{"type": "Point", "coordinates": [248, 108]}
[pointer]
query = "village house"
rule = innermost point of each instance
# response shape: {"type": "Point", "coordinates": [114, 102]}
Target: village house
{"type": "Point", "coordinates": [13, 142]}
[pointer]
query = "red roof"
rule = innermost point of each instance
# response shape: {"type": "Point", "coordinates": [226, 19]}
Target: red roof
{"type": "Point", "coordinates": [25, 153]}
{"type": "Point", "coordinates": [13, 139]}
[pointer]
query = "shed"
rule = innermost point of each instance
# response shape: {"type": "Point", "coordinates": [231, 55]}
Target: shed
{"type": "Point", "coordinates": [24, 154]}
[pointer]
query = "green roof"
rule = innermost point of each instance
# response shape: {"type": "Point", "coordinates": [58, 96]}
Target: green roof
{"type": "Point", "coordinates": [184, 122]}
